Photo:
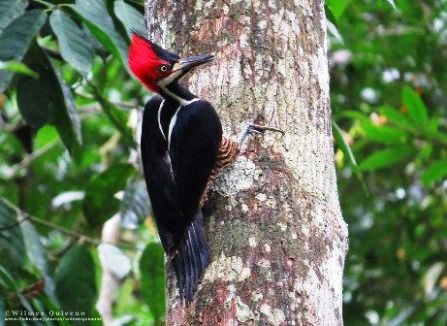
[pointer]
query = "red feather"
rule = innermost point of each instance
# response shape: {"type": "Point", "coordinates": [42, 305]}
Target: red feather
{"type": "Point", "coordinates": [144, 62]}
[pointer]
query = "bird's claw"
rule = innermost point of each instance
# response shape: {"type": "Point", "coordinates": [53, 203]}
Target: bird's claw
{"type": "Point", "coordinates": [259, 129]}
{"type": "Point", "coordinates": [252, 128]}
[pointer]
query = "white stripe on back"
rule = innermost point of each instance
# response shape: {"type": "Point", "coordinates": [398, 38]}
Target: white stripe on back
{"type": "Point", "coordinates": [159, 119]}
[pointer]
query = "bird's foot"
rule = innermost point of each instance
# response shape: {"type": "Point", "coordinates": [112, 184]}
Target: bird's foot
{"type": "Point", "coordinates": [259, 129]}
{"type": "Point", "coordinates": [252, 128]}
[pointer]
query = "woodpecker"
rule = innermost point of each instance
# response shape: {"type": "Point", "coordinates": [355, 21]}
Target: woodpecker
{"type": "Point", "coordinates": [182, 150]}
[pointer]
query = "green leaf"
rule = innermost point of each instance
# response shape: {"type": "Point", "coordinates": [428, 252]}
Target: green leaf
{"type": "Point", "coordinates": [333, 30]}
{"type": "Point", "coordinates": [34, 98]}
{"type": "Point", "coordinates": [136, 205]}
{"type": "Point", "coordinates": [118, 117]}
{"type": "Point", "coordinates": [435, 172]}
{"type": "Point", "coordinates": [95, 15]}
{"type": "Point", "coordinates": [10, 10]}
{"type": "Point", "coordinates": [76, 287]}
{"type": "Point", "coordinates": [395, 116]}
{"type": "Point", "coordinates": [44, 136]}
{"type": "Point", "coordinates": [12, 248]}
{"type": "Point", "coordinates": [385, 157]}
{"type": "Point", "coordinates": [36, 254]}
{"type": "Point", "coordinates": [416, 108]}
{"type": "Point", "coordinates": [344, 146]}
{"type": "Point", "coordinates": [7, 280]}
{"type": "Point", "coordinates": [48, 100]}
{"type": "Point", "coordinates": [18, 36]}
{"type": "Point", "coordinates": [391, 2]}
{"type": "Point", "coordinates": [383, 134]}
{"type": "Point", "coordinates": [66, 119]}
{"type": "Point", "coordinates": [18, 67]}
{"type": "Point", "coordinates": [355, 115]}
{"type": "Point", "coordinates": [329, 15]}
{"type": "Point", "coordinates": [131, 18]}
{"type": "Point", "coordinates": [153, 279]}
{"type": "Point", "coordinates": [73, 42]}
{"type": "Point", "coordinates": [337, 7]}
{"type": "Point", "coordinates": [425, 151]}
{"type": "Point", "coordinates": [99, 202]}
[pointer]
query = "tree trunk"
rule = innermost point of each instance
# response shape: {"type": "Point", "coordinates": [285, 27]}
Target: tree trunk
{"type": "Point", "coordinates": [273, 220]}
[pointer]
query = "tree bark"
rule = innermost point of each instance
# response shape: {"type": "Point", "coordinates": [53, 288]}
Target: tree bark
{"type": "Point", "coordinates": [273, 221]}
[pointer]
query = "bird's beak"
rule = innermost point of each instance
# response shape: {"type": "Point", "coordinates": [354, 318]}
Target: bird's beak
{"type": "Point", "coordinates": [188, 63]}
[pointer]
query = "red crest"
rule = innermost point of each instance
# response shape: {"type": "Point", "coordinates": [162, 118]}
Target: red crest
{"type": "Point", "coordinates": [144, 61]}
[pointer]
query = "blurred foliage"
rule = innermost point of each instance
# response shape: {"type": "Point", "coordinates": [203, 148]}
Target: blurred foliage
{"type": "Point", "coordinates": [69, 111]}
{"type": "Point", "coordinates": [388, 87]}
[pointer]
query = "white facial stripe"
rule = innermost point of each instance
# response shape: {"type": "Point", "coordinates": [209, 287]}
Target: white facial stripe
{"type": "Point", "coordinates": [180, 100]}
{"type": "Point", "coordinates": [166, 81]}
{"type": "Point", "coordinates": [176, 67]}
{"type": "Point", "coordinates": [163, 83]}
{"type": "Point", "coordinates": [159, 119]}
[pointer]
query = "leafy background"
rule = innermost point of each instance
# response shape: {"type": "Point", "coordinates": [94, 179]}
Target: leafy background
{"type": "Point", "coordinates": [69, 113]}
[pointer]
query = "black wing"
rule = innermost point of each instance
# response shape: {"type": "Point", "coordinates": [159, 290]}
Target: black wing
{"type": "Point", "coordinates": [176, 182]}
{"type": "Point", "coordinates": [159, 179]}
{"type": "Point", "coordinates": [193, 150]}
{"type": "Point", "coordinates": [194, 145]}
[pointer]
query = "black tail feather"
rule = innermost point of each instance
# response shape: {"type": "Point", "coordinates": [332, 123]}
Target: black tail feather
{"type": "Point", "coordinates": [199, 233]}
{"type": "Point", "coordinates": [186, 270]}
{"type": "Point", "coordinates": [190, 287]}
{"type": "Point", "coordinates": [197, 261]}
{"type": "Point", "coordinates": [192, 270]}
{"type": "Point", "coordinates": [191, 259]}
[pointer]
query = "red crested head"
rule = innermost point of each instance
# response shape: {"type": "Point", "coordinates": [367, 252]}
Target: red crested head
{"type": "Point", "coordinates": [156, 67]}
{"type": "Point", "coordinates": [149, 62]}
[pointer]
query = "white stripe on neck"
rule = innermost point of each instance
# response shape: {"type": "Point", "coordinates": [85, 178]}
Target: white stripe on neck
{"type": "Point", "coordinates": [180, 100]}
{"type": "Point", "coordinates": [165, 82]}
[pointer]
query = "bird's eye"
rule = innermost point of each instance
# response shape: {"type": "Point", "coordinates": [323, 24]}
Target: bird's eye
{"type": "Point", "coordinates": [164, 68]}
